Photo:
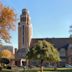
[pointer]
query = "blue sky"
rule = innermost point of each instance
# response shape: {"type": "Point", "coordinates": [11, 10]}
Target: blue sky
{"type": "Point", "coordinates": [49, 18]}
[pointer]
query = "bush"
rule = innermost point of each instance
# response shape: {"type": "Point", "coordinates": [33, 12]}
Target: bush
{"type": "Point", "coordinates": [30, 71]}
{"type": "Point", "coordinates": [0, 68]}
{"type": "Point", "coordinates": [8, 67]}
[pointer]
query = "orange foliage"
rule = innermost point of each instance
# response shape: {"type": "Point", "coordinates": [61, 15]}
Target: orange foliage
{"type": "Point", "coordinates": [6, 54]}
{"type": "Point", "coordinates": [4, 35]}
{"type": "Point", "coordinates": [7, 19]}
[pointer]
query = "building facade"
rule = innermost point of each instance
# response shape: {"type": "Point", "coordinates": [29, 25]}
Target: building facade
{"type": "Point", "coordinates": [25, 41]}
{"type": "Point", "coordinates": [7, 47]}
{"type": "Point", "coordinates": [63, 45]}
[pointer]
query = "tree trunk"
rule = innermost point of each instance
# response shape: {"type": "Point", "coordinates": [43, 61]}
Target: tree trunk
{"type": "Point", "coordinates": [27, 62]}
{"type": "Point", "coordinates": [55, 66]}
{"type": "Point", "coordinates": [41, 67]}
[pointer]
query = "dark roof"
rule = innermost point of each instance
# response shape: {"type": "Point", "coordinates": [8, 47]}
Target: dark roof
{"type": "Point", "coordinates": [58, 42]}
{"type": "Point", "coordinates": [21, 53]}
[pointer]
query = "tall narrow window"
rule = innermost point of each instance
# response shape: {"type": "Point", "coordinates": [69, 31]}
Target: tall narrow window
{"type": "Point", "coordinates": [23, 33]}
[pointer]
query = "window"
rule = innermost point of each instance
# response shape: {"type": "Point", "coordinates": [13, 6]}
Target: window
{"type": "Point", "coordinates": [70, 46]}
{"type": "Point", "coordinates": [62, 52]}
{"type": "Point", "coordinates": [23, 29]}
{"type": "Point", "coordinates": [23, 19]}
{"type": "Point", "coordinates": [23, 33]}
{"type": "Point", "coordinates": [18, 23]}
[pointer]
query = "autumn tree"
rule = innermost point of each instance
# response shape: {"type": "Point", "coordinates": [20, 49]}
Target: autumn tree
{"type": "Point", "coordinates": [7, 19]}
{"type": "Point", "coordinates": [43, 51]}
{"type": "Point", "coordinates": [6, 54]}
{"type": "Point", "coordinates": [5, 57]}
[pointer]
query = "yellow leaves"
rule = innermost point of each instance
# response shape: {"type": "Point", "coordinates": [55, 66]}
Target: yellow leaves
{"type": "Point", "coordinates": [4, 35]}
{"type": "Point", "coordinates": [6, 54]}
{"type": "Point", "coordinates": [7, 19]}
{"type": "Point", "coordinates": [44, 50]}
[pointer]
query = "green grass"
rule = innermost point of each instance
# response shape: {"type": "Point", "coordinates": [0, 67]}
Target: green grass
{"type": "Point", "coordinates": [38, 70]}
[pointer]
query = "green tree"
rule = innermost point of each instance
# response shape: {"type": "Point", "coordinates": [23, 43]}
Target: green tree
{"type": "Point", "coordinates": [43, 51]}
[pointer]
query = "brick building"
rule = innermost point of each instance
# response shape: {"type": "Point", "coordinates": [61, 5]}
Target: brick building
{"type": "Point", "coordinates": [25, 41]}
{"type": "Point", "coordinates": [63, 45]}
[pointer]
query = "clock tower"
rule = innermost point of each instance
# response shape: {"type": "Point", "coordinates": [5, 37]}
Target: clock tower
{"type": "Point", "coordinates": [24, 37]}
{"type": "Point", "coordinates": [24, 30]}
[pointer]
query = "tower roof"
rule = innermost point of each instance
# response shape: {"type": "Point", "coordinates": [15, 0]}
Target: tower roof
{"type": "Point", "coordinates": [25, 10]}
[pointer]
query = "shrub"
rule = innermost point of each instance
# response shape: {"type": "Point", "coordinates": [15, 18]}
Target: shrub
{"type": "Point", "coordinates": [8, 67]}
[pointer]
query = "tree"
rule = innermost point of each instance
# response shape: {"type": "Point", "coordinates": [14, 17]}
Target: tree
{"type": "Point", "coordinates": [5, 57]}
{"type": "Point", "coordinates": [6, 54]}
{"type": "Point", "coordinates": [7, 19]}
{"type": "Point", "coordinates": [43, 51]}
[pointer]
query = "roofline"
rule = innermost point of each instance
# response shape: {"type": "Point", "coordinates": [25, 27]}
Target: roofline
{"type": "Point", "coordinates": [52, 38]}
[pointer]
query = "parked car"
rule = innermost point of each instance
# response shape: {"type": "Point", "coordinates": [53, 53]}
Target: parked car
{"type": "Point", "coordinates": [68, 66]}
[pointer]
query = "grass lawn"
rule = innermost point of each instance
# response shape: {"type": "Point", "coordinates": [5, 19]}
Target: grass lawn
{"type": "Point", "coordinates": [38, 70]}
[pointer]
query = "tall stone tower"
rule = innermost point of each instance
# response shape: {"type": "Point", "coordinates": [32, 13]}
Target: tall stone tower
{"type": "Point", "coordinates": [24, 37]}
{"type": "Point", "coordinates": [24, 30]}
